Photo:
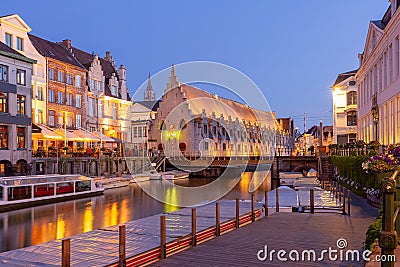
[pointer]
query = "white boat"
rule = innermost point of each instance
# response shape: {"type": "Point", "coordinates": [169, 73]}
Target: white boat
{"type": "Point", "coordinates": [175, 175]}
{"type": "Point", "coordinates": [109, 183]}
{"type": "Point", "coordinates": [24, 191]}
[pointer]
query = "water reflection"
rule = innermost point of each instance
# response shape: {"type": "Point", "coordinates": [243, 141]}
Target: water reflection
{"type": "Point", "coordinates": [40, 224]}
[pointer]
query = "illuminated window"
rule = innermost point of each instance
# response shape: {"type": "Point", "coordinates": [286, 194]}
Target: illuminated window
{"type": "Point", "coordinates": [100, 108]}
{"type": "Point", "coordinates": [21, 137]}
{"type": "Point", "coordinates": [78, 120]}
{"type": "Point", "coordinates": [60, 97]}
{"type": "Point", "coordinates": [70, 100]}
{"type": "Point", "coordinates": [3, 102]}
{"type": "Point", "coordinates": [91, 106]}
{"type": "Point", "coordinates": [3, 137]}
{"type": "Point", "coordinates": [114, 90]}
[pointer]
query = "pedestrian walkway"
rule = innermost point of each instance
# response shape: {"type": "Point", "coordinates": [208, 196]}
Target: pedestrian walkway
{"type": "Point", "coordinates": [288, 231]}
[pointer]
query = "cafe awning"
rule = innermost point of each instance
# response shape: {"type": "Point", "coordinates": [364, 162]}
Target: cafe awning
{"type": "Point", "coordinates": [44, 132]}
{"type": "Point", "coordinates": [86, 135]}
{"type": "Point", "coordinates": [70, 135]}
{"type": "Point", "coordinates": [104, 138]}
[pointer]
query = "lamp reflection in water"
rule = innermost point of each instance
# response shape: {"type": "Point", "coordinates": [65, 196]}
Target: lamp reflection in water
{"type": "Point", "coordinates": [172, 198]}
{"type": "Point", "coordinates": [88, 218]}
{"type": "Point", "coordinates": [60, 227]}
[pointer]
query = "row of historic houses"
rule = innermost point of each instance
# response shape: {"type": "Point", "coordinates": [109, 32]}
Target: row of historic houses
{"type": "Point", "coordinates": [64, 110]}
{"type": "Point", "coordinates": [366, 100]}
{"type": "Point", "coordinates": [77, 102]}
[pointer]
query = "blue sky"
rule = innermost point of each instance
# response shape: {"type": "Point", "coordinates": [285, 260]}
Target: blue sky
{"type": "Point", "coordinates": [292, 50]}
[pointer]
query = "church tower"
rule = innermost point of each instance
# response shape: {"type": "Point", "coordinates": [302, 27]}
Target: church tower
{"type": "Point", "coordinates": [173, 79]}
{"type": "Point", "coordinates": [149, 94]}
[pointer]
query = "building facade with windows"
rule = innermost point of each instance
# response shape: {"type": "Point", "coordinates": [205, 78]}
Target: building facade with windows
{"type": "Point", "coordinates": [15, 111]}
{"type": "Point", "coordinates": [195, 123]}
{"type": "Point", "coordinates": [344, 99]}
{"type": "Point", "coordinates": [378, 80]}
{"type": "Point", "coordinates": [143, 114]}
{"type": "Point", "coordinates": [14, 32]}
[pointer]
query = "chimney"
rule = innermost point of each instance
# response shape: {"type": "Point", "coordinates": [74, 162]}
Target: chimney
{"type": "Point", "coordinates": [67, 43]}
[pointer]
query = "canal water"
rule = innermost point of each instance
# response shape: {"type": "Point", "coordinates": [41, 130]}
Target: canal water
{"type": "Point", "coordinates": [31, 226]}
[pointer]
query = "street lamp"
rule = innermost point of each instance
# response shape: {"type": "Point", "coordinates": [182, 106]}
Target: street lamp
{"type": "Point", "coordinates": [375, 115]}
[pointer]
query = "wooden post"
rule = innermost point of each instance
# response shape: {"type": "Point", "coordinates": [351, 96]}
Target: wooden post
{"type": "Point", "coordinates": [340, 192]}
{"type": "Point", "coordinates": [237, 213]}
{"type": "Point", "coordinates": [344, 201]}
{"type": "Point", "coordinates": [122, 245]}
{"type": "Point", "coordinates": [336, 189]}
{"type": "Point", "coordinates": [266, 203]}
{"type": "Point", "coordinates": [348, 201]}
{"type": "Point", "coordinates": [277, 199]}
{"type": "Point", "coordinates": [66, 252]}
{"type": "Point", "coordinates": [253, 215]}
{"type": "Point", "coordinates": [217, 224]}
{"type": "Point", "coordinates": [163, 237]}
{"type": "Point", "coordinates": [194, 227]}
{"type": "Point", "coordinates": [312, 200]}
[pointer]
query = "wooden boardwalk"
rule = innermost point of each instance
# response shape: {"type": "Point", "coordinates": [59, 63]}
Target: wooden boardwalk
{"type": "Point", "coordinates": [299, 231]}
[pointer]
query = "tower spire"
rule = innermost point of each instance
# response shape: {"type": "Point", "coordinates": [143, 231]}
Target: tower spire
{"type": "Point", "coordinates": [149, 94]}
{"type": "Point", "coordinates": [173, 79]}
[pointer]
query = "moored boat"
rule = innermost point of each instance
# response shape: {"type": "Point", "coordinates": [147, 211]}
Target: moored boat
{"type": "Point", "coordinates": [25, 191]}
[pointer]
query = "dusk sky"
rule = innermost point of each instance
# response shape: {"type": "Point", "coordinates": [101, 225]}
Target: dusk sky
{"type": "Point", "coordinates": [293, 50]}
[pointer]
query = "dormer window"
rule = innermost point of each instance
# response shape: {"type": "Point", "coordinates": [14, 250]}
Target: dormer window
{"type": "Point", "coordinates": [352, 83]}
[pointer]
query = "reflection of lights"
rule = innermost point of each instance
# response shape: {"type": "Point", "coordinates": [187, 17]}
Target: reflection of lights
{"type": "Point", "coordinates": [114, 214]}
{"type": "Point", "coordinates": [88, 219]}
{"type": "Point", "coordinates": [124, 211]}
{"type": "Point", "coordinates": [171, 197]}
{"type": "Point", "coordinates": [60, 227]}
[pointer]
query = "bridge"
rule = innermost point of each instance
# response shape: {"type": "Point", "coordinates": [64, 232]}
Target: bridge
{"type": "Point", "coordinates": [293, 164]}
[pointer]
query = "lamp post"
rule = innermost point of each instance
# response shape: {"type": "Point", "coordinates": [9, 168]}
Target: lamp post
{"type": "Point", "coordinates": [375, 115]}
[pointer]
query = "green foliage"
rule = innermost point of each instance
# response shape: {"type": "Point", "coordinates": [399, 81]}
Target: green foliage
{"type": "Point", "coordinates": [350, 167]}
{"type": "Point", "coordinates": [373, 232]}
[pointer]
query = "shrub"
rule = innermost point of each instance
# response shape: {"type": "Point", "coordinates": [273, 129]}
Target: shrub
{"type": "Point", "coordinates": [350, 167]}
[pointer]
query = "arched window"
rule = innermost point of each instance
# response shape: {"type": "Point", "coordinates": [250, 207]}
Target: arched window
{"type": "Point", "coordinates": [352, 118]}
{"type": "Point", "coordinates": [352, 98]}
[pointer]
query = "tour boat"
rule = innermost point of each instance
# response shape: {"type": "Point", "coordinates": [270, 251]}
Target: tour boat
{"type": "Point", "coordinates": [25, 191]}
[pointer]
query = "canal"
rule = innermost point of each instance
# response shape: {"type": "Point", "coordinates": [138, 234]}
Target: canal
{"type": "Point", "coordinates": [31, 226]}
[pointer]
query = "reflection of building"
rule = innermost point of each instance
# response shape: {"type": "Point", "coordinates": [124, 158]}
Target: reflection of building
{"type": "Point", "coordinates": [378, 79]}
{"type": "Point", "coordinates": [15, 111]}
{"type": "Point", "coordinates": [344, 98]}
{"type": "Point", "coordinates": [194, 122]}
